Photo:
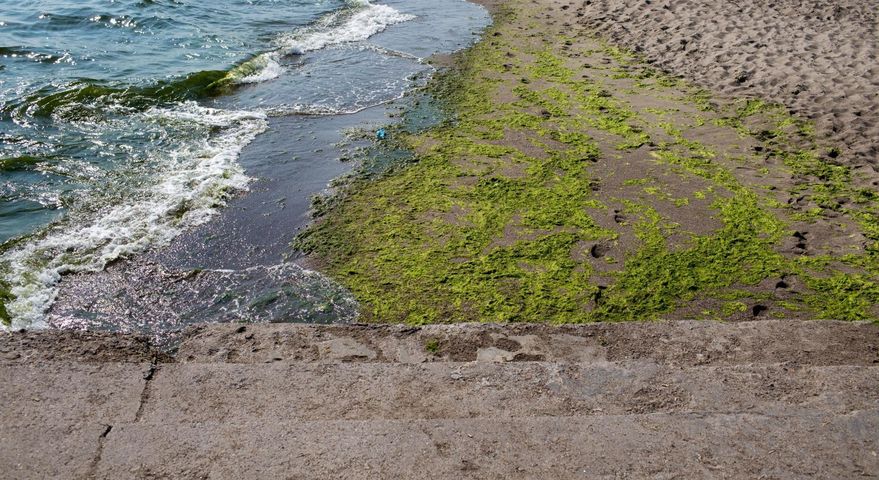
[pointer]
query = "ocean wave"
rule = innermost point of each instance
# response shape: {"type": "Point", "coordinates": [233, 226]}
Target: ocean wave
{"type": "Point", "coordinates": [195, 181]}
{"type": "Point", "coordinates": [323, 109]}
{"type": "Point", "coordinates": [389, 52]}
{"type": "Point", "coordinates": [90, 99]}
{"type": "Point", "coordinates": [269, 69]}
{"type": "Point", "coordinates": [284, 292]}
{"type": "Point", "coordinates": [308, 109]}
{"type": "Point", "coordinates": [13, 53]}
{"type": "Point", "coordinates": [358, 21]}
{"type": "Point", "coordinates": [182, 185]}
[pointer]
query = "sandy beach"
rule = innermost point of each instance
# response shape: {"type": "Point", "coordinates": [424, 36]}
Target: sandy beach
{"type": "Point", "coordinates": [816, 57]}
{"type": "Point", "coordinates": [580, 181]}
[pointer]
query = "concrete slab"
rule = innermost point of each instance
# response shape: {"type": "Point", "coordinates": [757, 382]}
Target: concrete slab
{"type": "Point", "coordinates": [632, 446]}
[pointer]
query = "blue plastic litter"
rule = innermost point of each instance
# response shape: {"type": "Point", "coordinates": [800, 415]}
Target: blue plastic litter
{"type": "Point", "coordinates": [381, 134]}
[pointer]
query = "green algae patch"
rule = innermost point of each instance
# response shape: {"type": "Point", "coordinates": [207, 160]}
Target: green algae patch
{"type": "Point", "coordinates": [24, 162]}
{"type": "Point", "coordinates": [569, 182]}
{"type": "Point", "coordinates": [657, 279]}
{"type": "Point", "coordinates": [844, 297]}
{"type": "Point", "coordinates": [5, 297]}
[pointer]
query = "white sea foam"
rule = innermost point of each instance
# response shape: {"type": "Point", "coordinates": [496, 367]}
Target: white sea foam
{"type": "Point", "coordinates": [359, 21]}
{"type": "Point", "coordinates": [193, 182]}
{"type": "Point", "coordinates": [268, 67]}
{"type": "Point", "coordinates": [307, 109]}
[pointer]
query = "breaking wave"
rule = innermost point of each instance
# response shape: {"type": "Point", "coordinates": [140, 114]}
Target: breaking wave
{"type": "Point", "coordinates": [192, 182]}
{"type": "Point", "coordinates": [359, 21]}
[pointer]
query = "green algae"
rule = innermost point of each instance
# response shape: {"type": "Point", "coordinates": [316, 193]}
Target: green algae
{"type": "Point", "coordinates": [479, 227]}
{"type": "Point", "coordinates": [432, 346]}
{"type": "Point", "coordinates": [731, 308]}
{"type": "Point", "coordinates": [85, 98]}
{"type": "Point", "coordinates": [5, 297]}
{"type": "Point", "coordinates": [657, 279]}
{"type": "Point", "coordinates": [828, 186]}
{"type": "Point", "coordinates": [477, 268]}
{"type": "Point", "coordinates": [844, 297]}
{"type": "Point", "coordinates": [23, 162]}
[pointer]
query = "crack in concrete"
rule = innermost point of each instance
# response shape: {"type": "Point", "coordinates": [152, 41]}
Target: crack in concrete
{"type": "Point", "coordinates": [147, 390]}
{"type": "Point", "coordinates": [144, 397]}
{"type": "Point", "coordinates": [99, 452]}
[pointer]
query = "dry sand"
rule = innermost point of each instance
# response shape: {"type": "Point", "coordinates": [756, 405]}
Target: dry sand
{"type": "Point", "coordinates": [817, 57]}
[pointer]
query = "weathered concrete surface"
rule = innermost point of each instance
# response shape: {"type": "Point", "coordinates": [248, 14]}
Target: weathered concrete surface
{"type": "Point", "coordinates": [805, 444]}
{"type": "Point", "coordinates": [54, 414]}
{"type": "Point", "coordinates": [675, 343]}
{"type": "Point", "coordinates": [771, 399]}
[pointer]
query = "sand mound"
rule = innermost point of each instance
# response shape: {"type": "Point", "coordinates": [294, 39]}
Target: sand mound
{"type": "Point", "coordinates": [817, 57]}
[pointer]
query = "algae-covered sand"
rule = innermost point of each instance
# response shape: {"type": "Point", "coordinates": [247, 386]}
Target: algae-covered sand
{"type": "Point", "coordinates": [571, 182]}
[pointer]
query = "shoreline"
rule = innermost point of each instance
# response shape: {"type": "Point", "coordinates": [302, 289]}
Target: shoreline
{"type": "Point", "coordinates": [815, 214]}
{"type": "Point", "coordinates": [244, 247]}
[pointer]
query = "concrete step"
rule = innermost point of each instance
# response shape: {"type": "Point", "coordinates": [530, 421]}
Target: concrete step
{"type": "Point", "coordinates": [686, 399]}
{"type": "Point", "coordinates": [207, 392]}
{"type": "Point", "coordinates": [673, 343]}
{"type": "Point", "coordinates": [56, 415]}
{"type": "Point", "coordinates": [802, 444]}
{"type": "Point", "coordinates": [679, 343]}
{"type": "Point", "coordinates": [75, 395]}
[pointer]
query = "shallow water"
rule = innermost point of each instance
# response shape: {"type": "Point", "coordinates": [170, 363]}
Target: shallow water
{"type": "Point", "coordinates": [125, 125]}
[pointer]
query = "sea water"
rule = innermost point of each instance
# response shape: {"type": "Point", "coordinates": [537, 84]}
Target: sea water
{"type": "Point", "coordinates": [123, 125]}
